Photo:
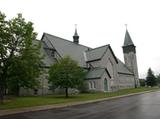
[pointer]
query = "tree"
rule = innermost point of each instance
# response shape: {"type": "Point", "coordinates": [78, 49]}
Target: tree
{"type": "Point", "coordinates": [150, 79]}
{"type": "Point", "coordinates": [158, 80]}
{"type": "Point", "coordinates": [142, 82]}
{"type": "Point", "coordinates": [29, 64]}
{"type": "Point", "coordinates": [16, 51]}
{"type": "Point", "coordinates": [66, 74]}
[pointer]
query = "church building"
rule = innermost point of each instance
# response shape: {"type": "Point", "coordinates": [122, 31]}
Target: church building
{"type": "Point", "coordinates": [105, 72]}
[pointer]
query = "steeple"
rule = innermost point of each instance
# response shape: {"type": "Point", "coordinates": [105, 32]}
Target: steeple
{"type": "Point", "coordinates": [76, 37]}
{"type": "Point", "coordinates": [128, 45]}
{"type": "Point", "coordinates": [127, 39]}
{"type": "Point", "coordinates": [130, 58]}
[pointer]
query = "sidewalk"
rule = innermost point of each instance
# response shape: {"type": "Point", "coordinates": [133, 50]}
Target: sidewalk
{"type": "Point", "coordinates": [55, 106]}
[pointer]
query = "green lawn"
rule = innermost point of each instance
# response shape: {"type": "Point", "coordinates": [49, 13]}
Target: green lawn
{"type": "Point", "coordinates": [18, 102]}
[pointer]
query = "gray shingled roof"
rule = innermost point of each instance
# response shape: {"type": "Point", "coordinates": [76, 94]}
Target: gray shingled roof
{"type": "Point", "coordinates": [65, 47]}
{"type": "Point", "coordinates": [95, 73]}
{"type": "Point", "coordinates": [97, 53]}
{"type": "Point", "coordinates": [122, 68]}
{"type": "Point", "coordinates": [78, 52]}
{"type": "Point", "coordinates": [48, 59]}
{"type": "Point", "coordinates": [128, 40]}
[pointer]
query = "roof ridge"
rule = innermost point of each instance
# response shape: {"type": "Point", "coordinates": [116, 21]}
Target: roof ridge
{"type": "Point", "coordinates": [98, 47]}
{"type": "Point", "coordinates": [66, 40]}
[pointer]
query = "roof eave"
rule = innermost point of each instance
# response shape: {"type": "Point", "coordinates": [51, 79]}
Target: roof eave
{"type": "Point", "coordinates": [93, 60]}
{"type": "Point", "coordinates": [125, 73]}
{"type": "Point", "coordinates": [92, 78]}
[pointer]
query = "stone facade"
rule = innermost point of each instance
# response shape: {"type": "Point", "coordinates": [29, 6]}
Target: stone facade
{"type": "Point", "coordinates": [106, 73]}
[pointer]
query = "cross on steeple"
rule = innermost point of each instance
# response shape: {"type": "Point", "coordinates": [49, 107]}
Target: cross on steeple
{"type": "Point", "coordinates": [126, 26]}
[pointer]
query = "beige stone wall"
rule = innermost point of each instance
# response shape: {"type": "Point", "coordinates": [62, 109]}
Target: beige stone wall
{"type": "Point", "coordinates": [94, 85]}
{"type": "Point", "coordinates": [109, 62]}
{"type": "Point", "coordinates": [131, 62]}
{"type": "Point", "coordinates": [99, 84]}
{"type": "Point", "coordinates": [44, 85]}
{"type": "Point", "coordinates": [126, 81]}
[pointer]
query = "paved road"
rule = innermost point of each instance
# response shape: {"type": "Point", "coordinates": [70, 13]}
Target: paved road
{"type": "Point", "coordinates": [144, 106]}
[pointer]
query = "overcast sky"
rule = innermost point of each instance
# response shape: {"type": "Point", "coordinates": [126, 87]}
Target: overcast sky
{"type": "Point", "coordinates": [99, 22]}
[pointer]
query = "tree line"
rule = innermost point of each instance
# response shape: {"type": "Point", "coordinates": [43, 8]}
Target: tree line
{"type": "Point", "coordinates": [151, 79]}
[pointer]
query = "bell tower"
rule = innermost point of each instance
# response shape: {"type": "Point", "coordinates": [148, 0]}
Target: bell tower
{"type": "Point", "coordinates": [129, 51]}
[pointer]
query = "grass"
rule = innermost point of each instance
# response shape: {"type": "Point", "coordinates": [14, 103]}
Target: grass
{"type": "Point", "coordinates": [19, 102]}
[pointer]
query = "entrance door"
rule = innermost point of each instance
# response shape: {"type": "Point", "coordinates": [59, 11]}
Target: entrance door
{"type": "Point", "coordinates": [105, 84]}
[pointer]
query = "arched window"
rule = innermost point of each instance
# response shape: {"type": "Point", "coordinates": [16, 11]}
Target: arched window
{"type": "Point", "coordinates": [105, 85]}
{"type": "Point", "coordinates": [94, 84]}
{"type": "Point", "coordinates": [90, 85]}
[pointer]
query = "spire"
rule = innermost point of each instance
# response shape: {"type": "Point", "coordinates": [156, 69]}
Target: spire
{"type": "Point", "coordinates": [128, 45]}
{"type": "Point", "coordinates": [75, 34]}
{"type": "Point", "coordinates": [76, 37]}
{"type": "Point", "coordinates": [127, 39]}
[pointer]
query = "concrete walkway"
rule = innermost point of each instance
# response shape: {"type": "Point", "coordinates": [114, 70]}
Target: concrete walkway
{"type": "Point", "coordinates": [54, 106]}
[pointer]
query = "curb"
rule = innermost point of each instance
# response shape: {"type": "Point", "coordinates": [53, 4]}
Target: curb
{"type": "Point", "coordinates": [56, 106]}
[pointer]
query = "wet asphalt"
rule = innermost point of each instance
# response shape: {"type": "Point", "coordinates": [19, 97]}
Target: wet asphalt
{"type": "Point", "coordinates": [144, 106]}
